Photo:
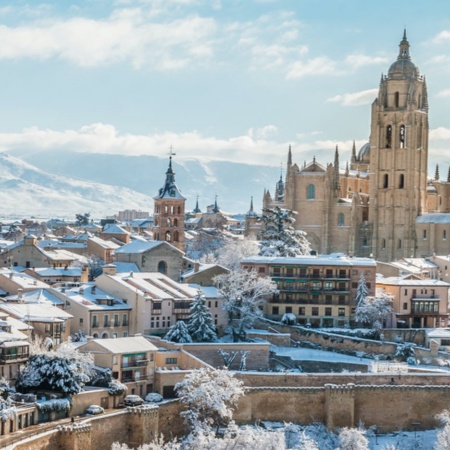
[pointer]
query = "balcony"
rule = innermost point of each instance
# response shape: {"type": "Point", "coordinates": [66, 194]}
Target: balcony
{"type": "Point", "coordinates": [128, 379]}
{"type": "Point", "coordinates": [135, 363]}
{"type": "Point", "coordinates": [13, 358]}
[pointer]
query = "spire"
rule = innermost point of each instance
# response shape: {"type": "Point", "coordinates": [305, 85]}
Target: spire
{"type": "Point", "coordinates": [170, 189]}
{"type": "Point", "coordinates": [216, 208]}
{"type": "Point", "coordinates": [250, 212]}
{"type": "Point", "coordinates": [404, 48]}
{"type": "Point", "coordinates": [436, 174]}
{"type": "Point", "coordinates": [196, 209]}
{"type": "Point", "coordinates": [289, 160]}
{"type": "Point", "coordinates": [346, 170]}
{"type": "Point", "coordinates": [353, 160]}
{"type": "Point", "coordinates": [336, 169]}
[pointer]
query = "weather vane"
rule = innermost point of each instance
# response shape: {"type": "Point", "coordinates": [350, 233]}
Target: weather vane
{"type": "Point", "coordinates": [171, 152]}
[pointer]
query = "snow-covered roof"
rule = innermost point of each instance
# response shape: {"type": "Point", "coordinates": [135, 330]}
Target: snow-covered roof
{"type": "Point", "coordinates": [201, 268]}
{"type": "Point", "coordinates": [23, 280]}
{"type": "Point", "coordinates": [55, 244]}
{"type": "Point", "coordinates": [113, 228]}
{"type": "Point", "coordinates": [433, 218]}
{"type": "Point", "coordinates": [37, 312]}
{"type": "Point", "coordinates": [132, 344]}
{"type": "Point", "coordinates": [401, 281]}
{"type": "Point", "coordinates": [208, 291]}
{"type": "Point", "coordinates": [138, 246]}
{"type": "Point", "coordinates": [58, 272]}
{"type": "Point", "coordinates": [329, 260]}
{"type": "Point", "coordinates": [103, 243]}
{"type": "Point", "coordinates": [124, 267]}
{"type": "Point", "coordinates": [438, 333]}
{"type": "Point", "coordinates": [38, 296]}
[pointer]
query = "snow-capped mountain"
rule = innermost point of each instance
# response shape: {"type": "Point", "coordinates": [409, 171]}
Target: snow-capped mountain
{"type": "Point", "coordinates": [128, 182]}
{"type": "Point", "coordinates": [28, 191]}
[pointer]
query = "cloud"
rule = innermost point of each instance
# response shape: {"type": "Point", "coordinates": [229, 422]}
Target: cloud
{"type": "Point", "coordinates": [126, 35]}
{"type": "Point", "coordinates": [356, 98]}
{"type": "Point", "coordinates": [444, 93]}
{"type": "Point", "coordinates": [441, 37]}
{"type": "Point", "coordinates": [357, 60]}
{"type": "Point", "coordinates": [321, 65]}
{"type": "Point", "coordinates": [440, 134]}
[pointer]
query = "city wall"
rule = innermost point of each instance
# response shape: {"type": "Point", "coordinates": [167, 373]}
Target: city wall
{"type": "Point", "coordinates": [332, 399]}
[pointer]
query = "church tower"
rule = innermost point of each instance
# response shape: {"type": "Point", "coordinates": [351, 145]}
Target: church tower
{"type": "Point", "coordinates": [168, 214]}
{"type": "Point", "coordinates": [398, 158]}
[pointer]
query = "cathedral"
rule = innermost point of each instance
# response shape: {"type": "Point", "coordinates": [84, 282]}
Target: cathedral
{"type": "Point", "coordinates": [382, 204]}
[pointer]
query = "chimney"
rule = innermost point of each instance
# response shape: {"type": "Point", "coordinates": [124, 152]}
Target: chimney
{"type": "Point", "coordinates": [196, 267]}
{"type": "Point", "coordinates": [10, 275]}
{"type": "Point", "coordinates": [110, 269]}
{"type": "Point", "coordinates": [20, 293]}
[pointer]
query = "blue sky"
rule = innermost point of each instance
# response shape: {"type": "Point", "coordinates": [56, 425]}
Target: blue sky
{"type": "Point", "coordinates": [237, 80]}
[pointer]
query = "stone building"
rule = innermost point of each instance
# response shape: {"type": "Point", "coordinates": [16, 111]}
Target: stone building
{"type": "Point", "coordinates": [318, 290]}
{"type": "Point", "coordinates": [382, 203]}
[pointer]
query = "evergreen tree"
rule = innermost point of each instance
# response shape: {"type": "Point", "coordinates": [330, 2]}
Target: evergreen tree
{"type": "Point", "coordinates": [200, 325]}
{"type": "Point", "coordinates": [362, 292]}
{"type": "Point", "coordinates": [178, 333]}
{"type": "Point", "coordinates": [279, 237]}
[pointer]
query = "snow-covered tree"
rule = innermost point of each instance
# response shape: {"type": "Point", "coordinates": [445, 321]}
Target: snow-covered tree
{"type": "Point", "coordinates": [443, 435]}
{"type": "Point", "coordinates": [178, 333]}
{"type": "Point", "coordinates": [210, 396]}
{"type": "Point", "coordinates": [243, 292]}
{"type": "Point", "coordinates": [235, 250]}
{"type": "Point", "coordinates": [373, 311]}
{"type": "Point", "coordinates": [200, 325]}
{"type": "Point", "coordinates": [63, 370]}
{"type": "Point", "coordinates": [361, 292]}
{"type": "Point", "coordinates": [353, 439]}
{"type": "Point", "coordinates": [278, 237]}
{"type": "Point", "coordinates": [82, 219]}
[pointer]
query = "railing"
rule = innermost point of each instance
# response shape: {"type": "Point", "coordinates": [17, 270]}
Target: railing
{"type": "Point", "coordinates": [135, 363]}
{"type": "Point", "coordinates": [130, 379]}
{"type": "Point", "coordinates": [7, 358]}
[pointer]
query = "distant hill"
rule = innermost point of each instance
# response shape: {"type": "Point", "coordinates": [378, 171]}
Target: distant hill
{"type": "Point", "coordinates": [56, 184]}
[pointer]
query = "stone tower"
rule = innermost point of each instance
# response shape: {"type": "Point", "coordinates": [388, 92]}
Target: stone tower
{"type": "Point", "coordinates": [398, 158]}
{"type": "Point", "coordinates": [168, 215]}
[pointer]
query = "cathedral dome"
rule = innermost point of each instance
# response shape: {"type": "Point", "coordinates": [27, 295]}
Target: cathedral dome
{"type": "Point", "coordinates": [403, 68]}
{"type": "Point", "coordinates": [364, 153]}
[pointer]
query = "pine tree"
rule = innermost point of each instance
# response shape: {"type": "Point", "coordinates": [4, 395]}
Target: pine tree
{"type": "Point", "coordinates": [279, 237]}
{"type": "Point", "coordinates": [362, 292]}
{"type": "Point", "coordinates": [200, 325]}
{"type": "Point", "coordinates": [178, 333]}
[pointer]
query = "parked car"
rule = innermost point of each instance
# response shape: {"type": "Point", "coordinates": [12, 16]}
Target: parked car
{"type": "Point", "coordinates": [153, 397]}
{"type": "Point", "coordinates": [94, 410]}
{"type": "Point", "coordinates": [133, 400]}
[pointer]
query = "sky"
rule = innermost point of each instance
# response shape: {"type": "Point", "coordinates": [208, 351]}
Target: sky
{"type": "Point", "coordinates": [236, 80]}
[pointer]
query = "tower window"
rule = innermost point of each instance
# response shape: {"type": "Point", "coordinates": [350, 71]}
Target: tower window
{"type": "Point", "coordinates": [179, 210]}
{"type": "Point", "coordinates": [311, 192]}
{"type": "Point", "coordinates": [175, 236]}
{"type": "Point", "coordinates": [175, 222]}
{"type": "Point", "coordinates": [424, 234]}
{"type": "Point", "coordinates": [341, 220]}
{"type": "Point", "coordinates": [401, 181]}
{"type": "Point", "coordinates": [397, 99]}
{"type": "Point", "coordinates": [385, 181]}
{"type": "Point", "coordinates": [444, 235]}
{"type": "Point", "coordinates": [402, 136]}
{"type": "Point", "coordinates": [383, 244]}
{"type": "Point", "coordinates": [399, 244]}
{"type": "Point", "coordinates": [168, 236]}
{"type": "Point", "coordinates": [388, 136]}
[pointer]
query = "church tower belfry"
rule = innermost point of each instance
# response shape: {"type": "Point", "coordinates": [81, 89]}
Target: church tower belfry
{"type": "Point", "coordinates": [168, 214]}
{"type": "Point", "coordinates": [398, 158]}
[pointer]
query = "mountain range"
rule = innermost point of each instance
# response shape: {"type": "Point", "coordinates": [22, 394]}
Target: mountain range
{"type": "Point", "coordinates": [55, 184]}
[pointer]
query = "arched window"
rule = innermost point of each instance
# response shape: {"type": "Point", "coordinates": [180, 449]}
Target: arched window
{"type": "Point", "coordinates": [179, 210]}
{"type": "Point", "coordinates": [401, 181]}
{"type": "Point", "coordinates": [169, 223]}
{"type": "Point", "coordinates": [105, 335]}
{"type": "Point", "coordinates": [383, 244]}
{"type": "Point", "coordinates": [166, 209]}
{"type": "Point", "coordinates": [95, 335]}
{"type": "Point", "coordinates": [402, 136]}
{"type": "Point", "coordinates": [397, 99]}
{"type": "Point", "coordinates": [175, 222]}
{"type": "Point", "coordinates": [385, 181]}
{"type": "Point", "coordinates": [399, 243]}
{"type": "Point", "coordinates": [311, 192]}
{"type": "Point", "coordinates": [175, 236]}
{"type": "Point", "coordinates": [388, 136]}
{"type": "Point", "coordinates": [168, 236]}
{"type": "Point", "coordinates": [162, 267]}
{"type": "Point", "coordinates": [341, 220]}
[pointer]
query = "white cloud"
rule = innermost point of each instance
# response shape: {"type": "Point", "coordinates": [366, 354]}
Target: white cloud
{"type": "Point", "coordinates": [126, 35]}
{"type": "Point", "coordinates": [355, 98]}
{"type": "Point", "coordinates": [358, 60]}
{"type": "Point", "coordinates": [444, 93]}
{"type": "Point", "coordinates": [440, 134]}
{"type": "Point", "coordinates": [321, 65]}
{"type": "Point", "coordinates": [441, 37]}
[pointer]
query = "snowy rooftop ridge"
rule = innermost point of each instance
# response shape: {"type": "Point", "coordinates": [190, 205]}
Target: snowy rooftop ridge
{"type": "Point", "coordinates": [338, 259]}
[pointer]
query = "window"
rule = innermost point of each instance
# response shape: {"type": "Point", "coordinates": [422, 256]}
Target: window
{"type": "Point", "coordinates": [81, 321]}
{"type": "Point", "coordinates": [105, 335]}
{"type": "Point", "coordinates": [341, 312]}
{"type": "Point", "coordinates": [94, 322]}
{"type": "Point", "coordinates": [405, 305]}
{"type": "Point", "coordinates": [162, 267]}
{"type": "Point", "coordinates": [301, 311]}
{"type": "Point", "coordinates": [106, 321]}
{"type": "Point", "coordinates": [406, 291]}
{"type": "Point", "coordinates": [385, 181]}
{"type": "Point", "coordinates": [397, 99]}
{"type": "Point", "coordinates": [168, 236]}
{"type": "Point", "coordinates": [399, 245]}
{"type": "Point", "coordinates": [288, 309]}
{"type": "Point", "coordinates": [261, 270]}
{"type": "Point", "coordinates": [311, 192]}
{"type": "Point", "coordinates": [328, 311]}
{"type": "Point", "coordinates": [124, 320]}
{"type": "Point", "coordinates": [383, 244]}
{"type": "Point", "coordinates": [444, 235]}
{"type": "Point", "coordinates": [275, 310]}
{"type": "Point", "coordinates": [401, 181]}
{"type": "Point", "coordinates": [114, 335]}
{"type": "Point", "coordinates": [315, 311]}
{"type": "Point", "coordinates": [116, 320]}
{"type": "Point", "coordinates": [171, 360]}
{"type": "Point", "coordinates": [341, 220]}
{"type": "Point", "coordinates": [402, 136]}
{"type": "Point", "coordinates": [424, 234]}
{"type": "Point", "coordinates": [388, 136]}
{"type": "Point", "coordinates": [125, 334]}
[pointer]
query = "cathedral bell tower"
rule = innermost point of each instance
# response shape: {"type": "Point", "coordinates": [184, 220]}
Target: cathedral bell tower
{"type": "Point", "coordinates": [398, 158]}
{"type": "Point", "coordinates": [168, 214]}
